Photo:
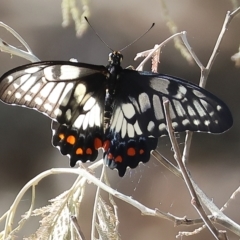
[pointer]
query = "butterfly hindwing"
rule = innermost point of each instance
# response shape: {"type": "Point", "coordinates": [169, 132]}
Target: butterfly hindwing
{"type": "Point", "coordinates": [128, 152]}
{"type": "Point", "coordinates": [78, 145]}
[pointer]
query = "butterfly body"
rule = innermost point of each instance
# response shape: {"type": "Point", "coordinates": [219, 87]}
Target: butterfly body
{"type": "Point", "coordinates": [118, 110]}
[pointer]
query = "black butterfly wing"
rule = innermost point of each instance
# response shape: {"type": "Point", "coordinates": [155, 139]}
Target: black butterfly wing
{"type": "Point", "coordinates": [139, 101]}
{"type": "Point", "coordinates": [138, 117]}
{"type": "Point", "coordinates": [72, 94]}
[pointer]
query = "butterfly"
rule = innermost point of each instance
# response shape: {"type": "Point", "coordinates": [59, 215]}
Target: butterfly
{"type": "Point", "coordinates": [118, 110]}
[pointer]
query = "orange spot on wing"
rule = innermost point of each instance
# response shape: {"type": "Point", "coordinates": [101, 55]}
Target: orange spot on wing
{"type": "Point", "coordinates": [89, 151]}
{"type": "Point", "coordinates": [141, 151]}
{"type": "Point", "coordinates": [110, 156]}
{"type": "Point", "coordinates": [79, 151]}
{"type": "Point", "coordinates": [118, 159]}
{"type": "Point", "coordinates": [131, 151]}
{"type": "Point", "coordinates": [61, 136]}
{"type": "Point", "coordinates": [97, 143]}
{"type": "Point", "coordinates": [106, 145]}
{"type": "Point", "coordinates": [71, 139]}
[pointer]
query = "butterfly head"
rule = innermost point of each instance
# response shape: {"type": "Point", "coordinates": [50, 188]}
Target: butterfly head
{"type": "Point", "coordinates": [115, 58]}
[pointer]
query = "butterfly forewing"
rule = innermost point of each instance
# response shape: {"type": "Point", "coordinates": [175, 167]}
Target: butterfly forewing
{"type": "Point", "coordinates": [138, 109]}
{"type": "Point", "coordinates": [49, 86]}
{"type": "Point", "coordinates": [72, 94]}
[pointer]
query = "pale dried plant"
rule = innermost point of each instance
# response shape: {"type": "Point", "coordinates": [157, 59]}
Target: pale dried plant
{"type": "Point", "coordinates": [71, 12]}
{"type": "Point", "coordinates": [60, 217]}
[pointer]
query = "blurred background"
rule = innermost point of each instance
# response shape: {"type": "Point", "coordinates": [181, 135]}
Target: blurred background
{"type": "Point", "coordinates": [25, 135]}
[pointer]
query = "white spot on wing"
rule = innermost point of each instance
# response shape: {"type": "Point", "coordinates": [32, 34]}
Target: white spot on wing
{"type": "Point", "coordinates": [119, 122]}
{"type": "Point", "coordinates": [55, 93]}
{"type": "Point", "coordinates": [46, 90]}
{"type": "Point", "coordinates": [85, 122]}
{"type": "Point", "coordinates": [10, 78]}
{"type": "Point", "coordinates": [198, 94]}
{"type": "Point", "coordinates": [57, 112]}
{"type": "Point", "coordinates": [69, 72]}
{"type": "Point", "coordinates": [211, 113]}
{"type": "Point", "coordinates": [180, 92]}
{"type": "Point", "coordinates": [24, 78]}
{"type": "Point", "coordinates": [79, 92]}
{"type": "Point", "coordinates": [199, 108]}
{"type": "Point", "coordinates": [128, 110]}
{"type": "Point", "coordinates": [124, 129]}
{"type": "Point", "coordinates": [15, 85]}
{"type": "Point", "coordinates": [157, 107]}
{"type": "Point", "coordinates": [134, 102]}
{"type": "Point", "coordinates": [97, 115]}
{"type": "Point", "coordinates": [196, 122]}
{"type": "Point", "coordinates": [162, 127]}
{"type": "Point", "coordinates": [32, 69]}
{"type": "Point", "coordinates": [144, 102]}
{"type": "Point", "coordinates": [115, 118]}
{"type": "Point", "coordinates": [68, 114]}
{"type": "Point", "coordinates": [172, 113]}
{"type": "Point", "coordinates": [92, 116]}
{"type": "Point", "coordinates": [89, 104]}
{"type": "Point", "coordinates": [78, 122]}
{"type": "Point", "coordinates": [150, 126]}
{"type": "Point", "coordinates": [206, 106]}
{"type": "Point", "coordinates": [219, 107]}
{"type": "Point", "coordinates": [27, 97]}
{"type": "Point", "coordinates": [63, 101]}
{"type": "Point", "coordinates": [207, 122]}
{"type": "Point", "coordinates": [38, 100]}
{"type": "Point", "coordinates": [182, 89]}
{"type": "Point", "coordinates": [191, 112]}
{"type": "Point", "coordinates": [160, 85]}
{"type": "Point", "coordinates": [47, 107]}
{"type": "Point", "coordinates": [130, 130]}
{"type": "Point", "coordinates": [185, 122]}
{"type": "Point", "coordinates": [28, 84]}
{"type": "Point", "coordinates": [35, 88]}
{"type": "Point", "coordinates": [174, 124]}
{"type": "Point", "coordinates": [179, 109]}
{"type": "Point", "coordinates": [137, 128]}
{"type": "Point", "coordinates": [18, 95]}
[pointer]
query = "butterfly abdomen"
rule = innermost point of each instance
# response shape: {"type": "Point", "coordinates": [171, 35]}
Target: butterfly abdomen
{"type": "Point", "coordinates": [107, 110]}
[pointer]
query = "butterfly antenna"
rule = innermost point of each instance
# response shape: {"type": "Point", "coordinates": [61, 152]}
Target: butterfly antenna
{"type": "Point", "coordinates": [98, 34]}
{"type": "Point", "coordinates": [138, 38]}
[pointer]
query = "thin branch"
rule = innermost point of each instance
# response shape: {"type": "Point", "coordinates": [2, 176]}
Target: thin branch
{"type": "Point", "coordinates": [205, 71]}
{"type": "Point", "coordinates": [227, 21]}
{"type": "Point", "coordinates": [152, 51]}
{"type": "Point", "coordinates": [17, 36]}
{"type": "Point", "coordinates": [31, 184]}
{"type": "Point", "coordinates": [77, 228]}
{"type": "Point", "coordinates": [5, 47]}
{"type": "Point", "coordinates": [94, 215]}
{"type": "Point", "coordinates": [233, 196]}
{"type": "Point", "coordinates": [177, 155]}
{"type": "Point", "coordinates": [217, 216]}
{"type": "Point", "coordinates": [115, 207]}
{"type": "Point", "coordinates": [173, 29]}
